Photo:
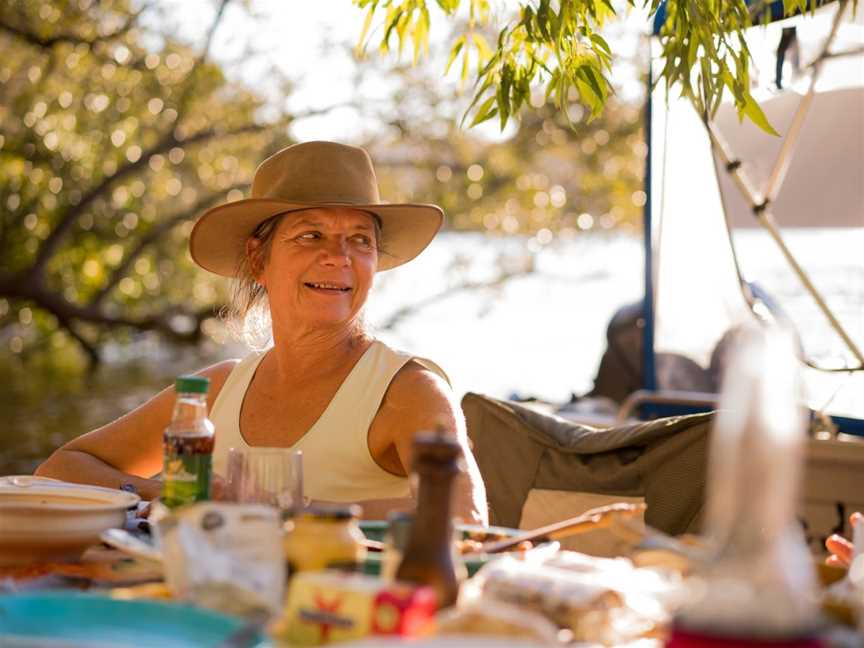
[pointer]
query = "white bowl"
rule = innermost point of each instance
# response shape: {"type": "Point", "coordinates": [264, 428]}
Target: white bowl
{"type": "Point", "coordinates": [44, 520]}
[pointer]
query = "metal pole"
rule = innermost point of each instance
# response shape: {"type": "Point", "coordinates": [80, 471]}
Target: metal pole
{"type": "Point", "coordinates": [649, 373]}
{"type": "Point", "coordinates": [766, 219]}
{"type": "Point", "coordinates": [781, 166]}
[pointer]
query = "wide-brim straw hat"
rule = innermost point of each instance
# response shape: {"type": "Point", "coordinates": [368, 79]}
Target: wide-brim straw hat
{"type": "Point", "coordinates": [304, 176]}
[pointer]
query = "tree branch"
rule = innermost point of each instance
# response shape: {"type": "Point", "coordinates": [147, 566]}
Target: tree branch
{"type": "Point", "coordinates": [152, 236]}
{"type": "Point", "coordinates": [67, 220]}
{"type": "Point", "coordinates": [67, 313]}
{"type": "Point", "coordinates": [199, 60]}
{"type": "Point", "coordinates": [218, 18]}
{"type": "Point", "coordinates": [315, 112]}
{"type": "Point", "coordinates": [400, 314]}
{"type": "Point", "coordinates": [91, 351]}
{"type": "Point", "coordinates": [48, 42]}
{"type": "Point", "coordinates": [167, 141]}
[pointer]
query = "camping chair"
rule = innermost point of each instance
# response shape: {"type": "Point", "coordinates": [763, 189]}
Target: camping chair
{"type": "Point", "coordinates": [522, 453]}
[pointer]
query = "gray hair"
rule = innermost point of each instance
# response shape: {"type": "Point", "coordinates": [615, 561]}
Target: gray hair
{"type": "Point", "coordinates": [247, 314]}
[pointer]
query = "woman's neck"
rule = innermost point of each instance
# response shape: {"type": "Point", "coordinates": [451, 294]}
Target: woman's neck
{"type": "Point", "coordinates": [307, 355]}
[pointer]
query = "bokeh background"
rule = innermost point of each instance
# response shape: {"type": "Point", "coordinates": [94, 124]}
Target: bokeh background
{"type": "Point", "coordinates": [121, 120]}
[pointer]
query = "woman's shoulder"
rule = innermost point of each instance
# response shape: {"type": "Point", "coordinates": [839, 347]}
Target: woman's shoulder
{"type": "Point", "coordinates": [417, 399]}
{"type": "Point", "coordinates": [218, 374]}
{"type": "Point", "coordinates": [415, 367]}
{"type": "Point", "coordinates": [416, 385]}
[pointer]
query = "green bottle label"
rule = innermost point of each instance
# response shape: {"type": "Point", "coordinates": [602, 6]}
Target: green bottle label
{"type": "Point", "coordinates": [186, 479]}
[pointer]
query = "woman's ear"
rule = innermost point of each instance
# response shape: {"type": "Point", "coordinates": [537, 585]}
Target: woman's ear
{"type": "Point", "coordinates": [254, 254]}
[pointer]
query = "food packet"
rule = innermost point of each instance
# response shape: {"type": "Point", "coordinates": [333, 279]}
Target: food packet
{"type": "Point", "coordinates": [226, 557]}
{"type": "Point", "coordinates": [330, 606]}
{"type": "Point", "coordinates": [493, 618]}
{"type": "Point", "coordinates": [569, 601]}
{"type": "Point", "coordinates": [606, 601]}
{"type": "Point", "coordinates": [649, 597]}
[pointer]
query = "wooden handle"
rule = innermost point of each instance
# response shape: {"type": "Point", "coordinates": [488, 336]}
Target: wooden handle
{"type": "Point", "coordinates": [596, 518]}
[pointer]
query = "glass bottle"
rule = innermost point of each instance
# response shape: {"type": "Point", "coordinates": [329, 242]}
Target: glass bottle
{"type": "Point", "coordinates": [395, 539]}
{"type": "Point", "coordinates": [188, 445]}
{"type": "Point", "coordinates": [760, 586]}
{"type": "Point", "coordinates": [324, 537]}
{"type": "Point", "coordinates": [428, 557]}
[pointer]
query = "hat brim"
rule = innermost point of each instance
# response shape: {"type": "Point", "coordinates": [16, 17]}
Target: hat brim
{"type": "Point", "coordinates": [218, 240]}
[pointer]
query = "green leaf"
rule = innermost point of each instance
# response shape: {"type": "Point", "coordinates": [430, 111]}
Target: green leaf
{"type": "Point", "coordinates": [543, 19]}
{"type": "Point", "coordinates": [360, 49]}
{"type": "Point", "coordinates": [420, 35]}
{"type": "Point", "coordinates": [486, 111]}
{"type": "Point", "coordinates": [483, 49]}
{"type": "Point", "coordinates": [454, 52]}
{"type": "Point", "coordinates": [390, 22]}
{"type": "Point", "coordinates": [600, 42]}
{"type": "Point", "coordinates": [527, 22]}
{"type": "Point", "coordinates": [590, 76]}
{"type": "Point", "coordinates": [486, 84]}
{"type": "Point", "coordinates": [465, 57]}
{"type": "Point", "coordinates": [754, 112]}
{"type": "Point", "coordinates": [448, 6]}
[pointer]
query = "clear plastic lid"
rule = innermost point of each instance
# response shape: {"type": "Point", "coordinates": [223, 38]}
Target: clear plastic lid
{"type": "Point", "coordinates": [761, 581]}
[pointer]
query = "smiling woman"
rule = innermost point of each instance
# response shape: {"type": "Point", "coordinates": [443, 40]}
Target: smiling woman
{"type": "Point", "coordinates": [304, 251]}
{"type": "Point", "coordinates": [328, 256]}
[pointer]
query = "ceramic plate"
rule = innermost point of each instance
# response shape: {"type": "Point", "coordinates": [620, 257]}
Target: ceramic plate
{"type": "Point", "coordinates": [46, 520]}
{"type": "Point", "coordinates": [74, 619]}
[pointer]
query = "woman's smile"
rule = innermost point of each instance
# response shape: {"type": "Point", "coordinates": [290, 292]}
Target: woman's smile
{"type": "Point", "coordinates": [328, 287]}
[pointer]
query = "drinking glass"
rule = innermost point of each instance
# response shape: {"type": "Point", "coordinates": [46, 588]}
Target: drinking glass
{"type": "Point", "coordinates": [271, 476]}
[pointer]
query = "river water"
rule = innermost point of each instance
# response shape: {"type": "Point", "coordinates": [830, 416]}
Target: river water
{"type": "Point", "coordinates": [540, 332]}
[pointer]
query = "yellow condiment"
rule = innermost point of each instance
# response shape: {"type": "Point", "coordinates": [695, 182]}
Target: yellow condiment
{"type": "Point", "coordinates": [324, 538]}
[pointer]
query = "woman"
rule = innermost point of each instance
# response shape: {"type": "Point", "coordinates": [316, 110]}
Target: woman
{"type": "Point", "coordinates": [306, 247]}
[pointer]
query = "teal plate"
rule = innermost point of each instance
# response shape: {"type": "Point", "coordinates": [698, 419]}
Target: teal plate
{"type": "Point", "coordinates": [63, 619]}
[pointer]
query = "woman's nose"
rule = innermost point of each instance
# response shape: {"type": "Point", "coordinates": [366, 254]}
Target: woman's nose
{"type": "Point", "coordinates": [335, 252]}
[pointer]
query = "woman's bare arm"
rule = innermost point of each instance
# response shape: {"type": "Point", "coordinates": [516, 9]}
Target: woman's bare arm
{"type": "Point", "coordinates": [128, 450]}
{"type": "Point", "coordinates": [420, 400]}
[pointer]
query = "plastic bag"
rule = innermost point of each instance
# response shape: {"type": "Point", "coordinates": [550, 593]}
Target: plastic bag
{"type": "Point", "coordinates": [226, 557]}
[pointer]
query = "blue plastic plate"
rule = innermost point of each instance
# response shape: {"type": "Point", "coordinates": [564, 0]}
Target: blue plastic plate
{"type": "Point", "coordinates": [96, 620]}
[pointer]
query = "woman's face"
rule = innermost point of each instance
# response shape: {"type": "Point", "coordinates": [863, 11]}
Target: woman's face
{"type": "Point", "coordinates": [320, 266]}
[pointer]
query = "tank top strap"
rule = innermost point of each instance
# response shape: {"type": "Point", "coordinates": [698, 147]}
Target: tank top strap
{"type": "Point", "coordinates": [225, 413]}
{"type": "Point", "coordinates": [367, 383]}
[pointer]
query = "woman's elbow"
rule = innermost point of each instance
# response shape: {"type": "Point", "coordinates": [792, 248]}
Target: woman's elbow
{"type": "Point", "coordinates": [45, 469]}
{"type": "Point", "coordinates": [56, 466]}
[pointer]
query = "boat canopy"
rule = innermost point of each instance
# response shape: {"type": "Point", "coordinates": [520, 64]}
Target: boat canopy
{"type": "Point", "coordinates": [741, 223]}
{"type": "Point", "coordinates": [764, 12]}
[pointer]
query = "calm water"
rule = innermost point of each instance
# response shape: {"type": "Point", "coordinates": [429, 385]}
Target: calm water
{"type": "Point", "coordinates": [539, 333]}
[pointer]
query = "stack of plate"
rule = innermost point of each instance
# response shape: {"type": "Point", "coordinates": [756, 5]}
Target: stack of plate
{"type": "Point", "coordinates": [43, 520]}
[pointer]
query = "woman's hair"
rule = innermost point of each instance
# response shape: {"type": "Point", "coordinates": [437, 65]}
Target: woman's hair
{"type": "Point", "coordinates": [247, 314]}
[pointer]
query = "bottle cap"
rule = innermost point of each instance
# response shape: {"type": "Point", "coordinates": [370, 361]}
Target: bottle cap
{"type": "Point", "coordinates": [192, 385]}
{"type": "Point", "coordinates": [332, 512]}
{"type": "Point", "coordinates": [436, 447]}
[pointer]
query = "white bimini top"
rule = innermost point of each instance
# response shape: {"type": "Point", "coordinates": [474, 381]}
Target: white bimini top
{"type": "Point", "coordinates": [337, 464]}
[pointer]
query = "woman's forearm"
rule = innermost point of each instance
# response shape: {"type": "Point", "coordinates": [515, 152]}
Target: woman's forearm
{"type": "Point", "coordinates": [469, 501]}
{"type": "Point", "coordinates": [83, 468]}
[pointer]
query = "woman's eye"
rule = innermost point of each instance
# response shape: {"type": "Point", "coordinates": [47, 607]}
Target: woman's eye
{"type": "Point", "coordinates": [309, 236]}
{"type": "Point", "coordinates": [363, 240]}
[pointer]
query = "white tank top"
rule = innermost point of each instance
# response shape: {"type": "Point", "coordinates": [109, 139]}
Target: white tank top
{"type": "Point", "coordinates": [337, 464]}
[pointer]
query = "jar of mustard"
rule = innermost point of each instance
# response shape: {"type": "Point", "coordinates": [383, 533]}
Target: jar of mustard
{"type": "Point", "coordinates": [324, 537]}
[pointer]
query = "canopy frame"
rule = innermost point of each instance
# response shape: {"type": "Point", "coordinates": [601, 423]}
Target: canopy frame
{"type": "Point", "coordinates": [760, 204]}
{"type": "Point", "coordinates": [650, 400]}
